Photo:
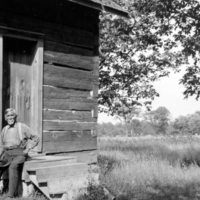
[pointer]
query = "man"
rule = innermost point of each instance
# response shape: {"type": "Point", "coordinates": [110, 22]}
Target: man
{"type": "Point", "coordinates": [14, 147]}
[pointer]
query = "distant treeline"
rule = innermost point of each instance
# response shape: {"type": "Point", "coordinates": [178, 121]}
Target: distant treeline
{"type": "Point", "coordinates": [156, 122]}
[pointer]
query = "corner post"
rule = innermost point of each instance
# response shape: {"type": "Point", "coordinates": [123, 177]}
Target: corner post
{"type": "Point", "coordinates": [1, 80]}
{"type": "Point", "coordinates": [37, 93]}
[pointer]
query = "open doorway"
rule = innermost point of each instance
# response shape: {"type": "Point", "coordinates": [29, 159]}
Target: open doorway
{"type": "Point", "coordinates": [21, 75]}
{"type": "Point", "coordinates": [18, 57]}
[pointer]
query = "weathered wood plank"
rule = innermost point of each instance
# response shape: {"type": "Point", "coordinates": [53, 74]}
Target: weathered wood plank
{"type": "Point", "coordinates": [94, 92]}
{"type": "Point", "coordinates": [47, 173]}
{"type": "Point", "coordinates": [67, 126]}
{"type": "Point", "coordinates": [65, 72]}
{"type": "Point", "coordinates": [69, 13]}
{"type": "Point", "coordinates": [37, 91]}
{"type": "Point", "coordinates": [43, 158]}
{"type": "Point", "coordinates": [67, 82]}
{"type": "Point", "coordinates": [70, 136]}
{"type": "Point", "coordinates": [70, 184]}
{"type": "Point", "coordinates": [61, 93]}
{"type": "Point", "coordinates": [67, 78]}
{"type": "Point", "coordinates": [44, 163]}
{"type": "Point", "coordinates": [53, 32]}
{"type": "Point", "coordinates": [78, 104]}
{"type": "Point", "coordinates": [72, 60]}
{"type": "Point", "coordinates": [32, 165]}
{"type": "Point", "coordinates": [44, 188]}
{"type": "Point", "coordinates": [83, 116]}
{"type": "Point", "coordinates": [84, 156]}
{"type": "Point", "coordinates": [1, 79]}
{"type": "Point", "coordinates": [68, 141]}
{"type": "Point", "coordinates": [95, 112]}
{"type": "Point", "coordinates": [69, 146]}
{"type": "Point", "coordinates": [96, 66]}
{"type": "Point", "coordinates": [64, 48]}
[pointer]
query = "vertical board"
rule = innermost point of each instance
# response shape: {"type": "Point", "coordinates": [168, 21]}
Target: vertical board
{"type": "Point", "coordinates": [95, 86]}
{"type": "Point", "coordinates": [18, 66]}
{"type": "Point", "coordinates": [1, 79]}
{"type": "Point", "coordinates": [37, 89]}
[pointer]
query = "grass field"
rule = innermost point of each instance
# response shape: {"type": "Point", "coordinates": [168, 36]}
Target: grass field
{"type": "Point", "coordinates": [157, 169]}
{"type": "Point", "coordinates": [148, 168]}
{"type": "Point", "coordinates": [33, 197]}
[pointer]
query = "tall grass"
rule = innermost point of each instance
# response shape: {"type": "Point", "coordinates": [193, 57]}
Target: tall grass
{"type": "Point", "coordinates": [146, 169]}
{"type": "Point", "coordinates": [35, 196]}
{"type": "Point", "coordinates": [151, 169]}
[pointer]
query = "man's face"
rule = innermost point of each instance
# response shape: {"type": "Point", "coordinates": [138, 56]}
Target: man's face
{"type": "Point", "coordinates": [10, 118]}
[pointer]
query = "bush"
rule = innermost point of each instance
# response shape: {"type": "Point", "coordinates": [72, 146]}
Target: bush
{"type": "Point", "coordinates": [94, 193]}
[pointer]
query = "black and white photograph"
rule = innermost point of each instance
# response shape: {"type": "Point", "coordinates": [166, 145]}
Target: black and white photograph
{"type": "Point", "coordinates": [99, 100]}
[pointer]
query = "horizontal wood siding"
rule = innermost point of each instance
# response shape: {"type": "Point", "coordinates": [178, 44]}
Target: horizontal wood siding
{"type": "Point", "coordinates": [66, 77]}
{"type": "Point", "coordinates": [70, 76]}
{"type": "Point", "coordinates": [66, 72]}
{"type": "Point", "coordinates": [59, 47]}
{"type": "Point", "coordinates": [81, 116]}
{"type": "Point", "coordinates": [69, 140]}
{"type": "Point", "coordinates": [68, 126]}
{"type": "Point", "coordinates": [70, 98]}
{"type": "Point", "coordinates": [70, 104]}
{"type": "Point", "coordinates": [60, 12]}
{"type": "Point", "coordinates": [69, 83]}
{"type": "Point", "coordinates": [52, 32]}
{"type": "Point", "coordinates": [76, 61]}
{"type": "Point", "coordinates": [51, 92]}
{"type": "Point", "coordinates": [89, 156]}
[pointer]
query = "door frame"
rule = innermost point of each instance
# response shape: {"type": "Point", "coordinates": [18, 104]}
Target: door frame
{"type": "Point", "coordinates": [36, 79]}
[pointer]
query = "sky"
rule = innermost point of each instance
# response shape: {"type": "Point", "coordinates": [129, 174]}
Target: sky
{"type": "Point", "coordinates": [171, 97]}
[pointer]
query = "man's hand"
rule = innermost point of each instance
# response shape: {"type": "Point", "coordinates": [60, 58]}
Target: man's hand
{"type": "Point", "coordinates": [26, 151]}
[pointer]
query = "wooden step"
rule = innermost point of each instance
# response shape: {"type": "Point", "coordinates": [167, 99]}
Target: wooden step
{"type": "Point", "coordinates": [46, 161]}
{"type": "Point", "coordinates": [48, 158]}
{"type": "Point", "coordinates": [43, 174]}
{"type": "Point", "coordinates": [43, 188]}
{"type": "Point", "coordinates": [49, 162]}
{"type": "Point", "coordinates": [71, 184]}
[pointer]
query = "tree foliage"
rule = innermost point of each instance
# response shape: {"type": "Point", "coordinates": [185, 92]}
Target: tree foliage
{"type": "Point", "coordinates": [126, 115]}
{"type": "Point", "coordinates": [159, 35]}
{"type": "Point", "coordinates": [189, 124]}
{"type": "Point", "coordinates": [159, 119]}
{"type": "Point", "coordinates": [155, 122]}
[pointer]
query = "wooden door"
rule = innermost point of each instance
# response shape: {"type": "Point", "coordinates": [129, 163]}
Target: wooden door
{"type": "Point", "coordinates": [21, 78]}
{"type": "Point", "coordinates": [18, 59]}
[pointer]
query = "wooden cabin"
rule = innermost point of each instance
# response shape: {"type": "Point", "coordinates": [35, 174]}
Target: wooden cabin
{"type": "Point", "coordinates": [49, 74]}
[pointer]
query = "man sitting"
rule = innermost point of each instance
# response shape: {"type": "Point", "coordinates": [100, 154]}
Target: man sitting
{"type": "Point", "coordinates": [14, 148]}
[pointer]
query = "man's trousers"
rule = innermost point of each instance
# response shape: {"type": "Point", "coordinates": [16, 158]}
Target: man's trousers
{"type": "Point", "coordinates": [14, 169]}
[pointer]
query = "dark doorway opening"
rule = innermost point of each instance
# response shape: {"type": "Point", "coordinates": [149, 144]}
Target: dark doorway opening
{"type": "Point", "coordinates": [18, 58]}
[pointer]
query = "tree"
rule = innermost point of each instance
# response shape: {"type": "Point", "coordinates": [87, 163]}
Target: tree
{"type": "Point", "coordinates": [159, 119]}
{"type": "Point", "coordinates": [147, 128]}
{"type": "Point", "coordinates": [181, 124]}
{"type": "Point", "coordinates": [126, 116]}
{"type": "Point", "coordinates": [136, 126]}
{"type": "Point", "coordinates": [189, 124]}
{"type": "Point", "coordinates": [136, 51]}
{"type": "Point", "coordinates": [194, 123]}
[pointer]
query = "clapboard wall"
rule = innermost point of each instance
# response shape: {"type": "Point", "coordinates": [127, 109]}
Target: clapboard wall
{"type": "Point", "coordinates": [70, 80]}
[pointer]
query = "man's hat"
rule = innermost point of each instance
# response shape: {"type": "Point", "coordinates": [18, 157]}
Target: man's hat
{"type": "Point", "coordinates": [5, 160]}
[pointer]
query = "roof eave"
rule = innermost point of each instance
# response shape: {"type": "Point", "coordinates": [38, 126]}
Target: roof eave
{"type": "Point", "coordinates": [117, 12]}
{"type": "Point", "coordinates": [101, 7]}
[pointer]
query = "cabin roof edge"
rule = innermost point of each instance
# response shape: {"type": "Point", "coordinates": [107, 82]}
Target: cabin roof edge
{"type": "Point", "coordinates": [107, 5]}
